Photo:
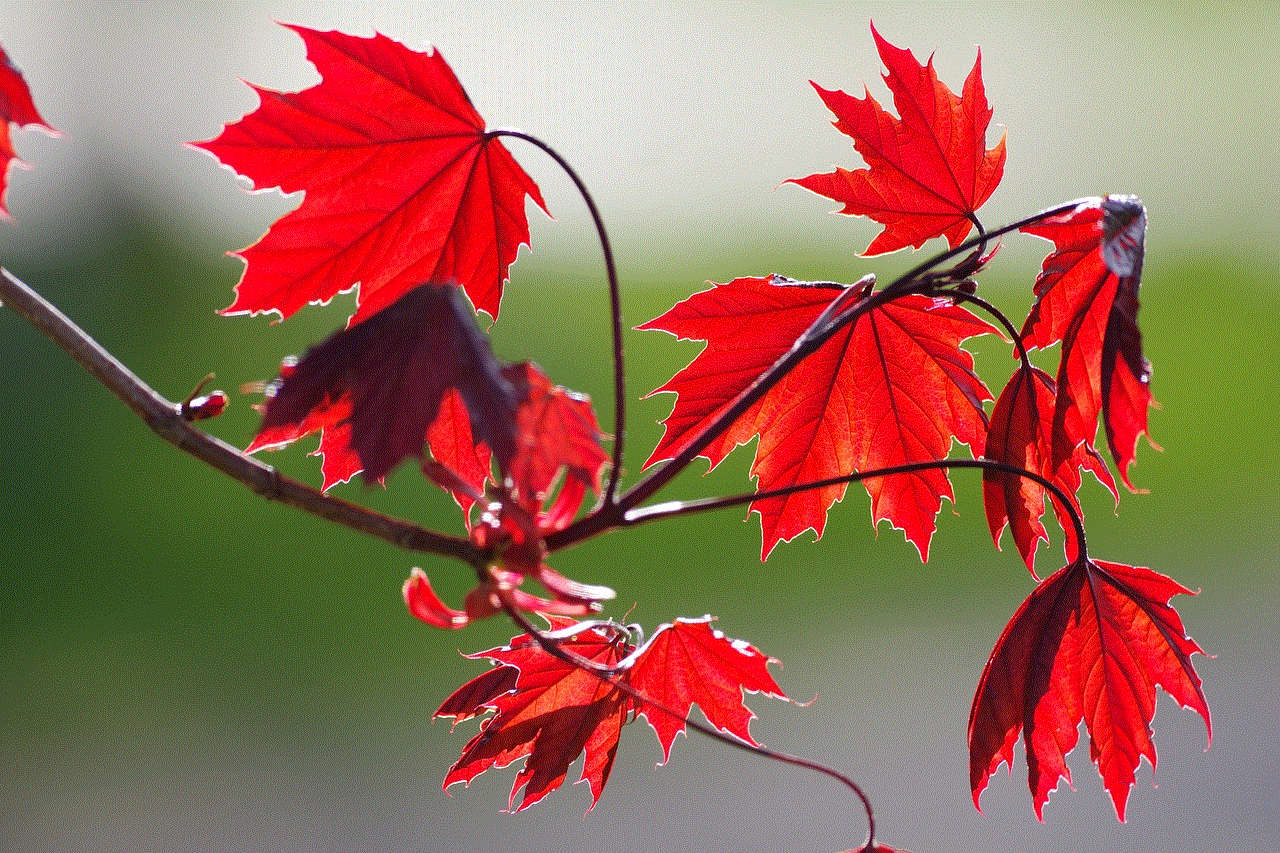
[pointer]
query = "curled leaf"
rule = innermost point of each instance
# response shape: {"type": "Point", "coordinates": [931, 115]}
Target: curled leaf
{"type": "Point", "coordinates": [1087, 300]}
{"type": "Point", "coordinates": [396, 368]}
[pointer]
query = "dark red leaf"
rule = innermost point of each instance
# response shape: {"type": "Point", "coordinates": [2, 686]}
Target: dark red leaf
{"type": "Point", "coordinates": [1087, 300]}
{"type": "Point", "coordinates": [552, 711]}
{"type": "Point", "coordinates": [1021, 435]}
{"type": "Point", "coordinates": [555, 713]}
{"type": "Point", "coordinates": [1092, 642]}
{"type": "Point", "coordinates": [891, 388]}
{"type": "Point", "coordinates": [689, 662]}
{"type": "Point", "coordinates": [402, 183]}
{"type": "Point", "coordinates": [929, 170]}
{"type": "Point", "coordinates": [17, 108]}
{"type": "Point", "coordinates": [397, 367]}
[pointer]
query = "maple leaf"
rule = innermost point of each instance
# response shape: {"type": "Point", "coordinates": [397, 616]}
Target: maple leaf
{"type": "Point", "coordinates": [891, 388]}
{"type": "Point", "coordinates": [688, 662]}
{"type": "Point", "coordinates": [929, 170]}
{"type": "Point", "coordinates": [17, 108]}
{"type": "Point", "coordinates": [1087, 300]}
{"type": "Point", "coordinates": [1020, 434]}
{"type": "Point", "coordinates": [396, 368]}
{"type": "Point", "coordinates": [556, 429]}
{"type": "Point", "coordinates": [1092, 642]}
{"type": "Point", "coordinates": [548, 711]}
{"type": "Point", "coordinates": [555, 712]}
{"type": "Point", "coordinates": [402, 183]}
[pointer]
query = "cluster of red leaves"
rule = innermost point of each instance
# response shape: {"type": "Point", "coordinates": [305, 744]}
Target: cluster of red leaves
{"type": "Point", "coordinates": [548, 710]}
{"type": "Point", "coordinates": [895, 387]}
{"type": "Point", "coordinates": [407, 194]}
{"type": "Point", "coordinates": [16, 108]}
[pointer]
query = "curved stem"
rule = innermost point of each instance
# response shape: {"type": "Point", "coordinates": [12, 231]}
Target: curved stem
{"type": "Point", "coordinates": [1000, 318]}
{"type": "Point", "coordinates": [612, 678]}
{"type": "Point", "coordinates": [671, 509]}
{"type": "Point", "coordinates": [980, 239]}
{"type": "Point", "coordinates": [615, 304]}
{"type": "Point", "coordinates": [165, 418]}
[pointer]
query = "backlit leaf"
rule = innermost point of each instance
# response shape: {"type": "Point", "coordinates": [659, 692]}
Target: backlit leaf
{"type": "Point", "coordinates": [402, 184]}
{"type": "Point", "coordinates": [927, 171]}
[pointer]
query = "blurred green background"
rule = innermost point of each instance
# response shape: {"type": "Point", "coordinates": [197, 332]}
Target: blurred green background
{"type": "Point", "coordinates": [184, 666]}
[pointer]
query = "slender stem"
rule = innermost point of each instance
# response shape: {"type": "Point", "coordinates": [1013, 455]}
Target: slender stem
{"type": "Point", "coordinates": [980, 239]}
{"type": "Point", "coordinates": [671, 509]}
{"type": "Point", "coordinates": [608, 676]}
{"type": "Point", "coordinates": [615, 305]}
{"type": "Point", "coordinates": [165, 418]}
{"type": "Point", "coordinates": [1000, 317]}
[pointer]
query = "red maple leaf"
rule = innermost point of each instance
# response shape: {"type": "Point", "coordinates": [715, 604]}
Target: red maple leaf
{"type": "Point", "coordinates": [403, 186]}
{"type": "Point", "coordinates": [929, 170]}
{"type": "Point", "coordinates": [557, 430]}
{"type": "Point", "coordinates": [1087, 300]}
{"type": "Point", "coordinates": [1020, 435]}
{"type": "Point", "coordinates": [420, 373]}
{"type": "Point", "coordinates": [555, 712]}
{"type": "Point", "coordinates": [891, 388]}
{"type": "Point", "coordinates": [547, 711]}
{"type": "Point", "coordinates": [17, 108]}
{"type": "Point", "coordinates": [388, 376]}
{"type": "Point", "coordinates": [688, 662]}
{"type": "Point", "coordinates": [1092, 642]}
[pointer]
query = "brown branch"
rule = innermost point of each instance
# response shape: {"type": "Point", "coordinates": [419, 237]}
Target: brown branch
{"type": "Point", "coordinates": [165, 420]}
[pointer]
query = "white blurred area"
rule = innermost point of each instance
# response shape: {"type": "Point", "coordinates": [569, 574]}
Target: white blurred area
{"type": "Point", "coordinates": [683, 119]}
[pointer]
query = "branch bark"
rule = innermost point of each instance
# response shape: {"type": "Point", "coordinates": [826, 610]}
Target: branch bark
{"type": "Point", "coordinates": [165, 419]}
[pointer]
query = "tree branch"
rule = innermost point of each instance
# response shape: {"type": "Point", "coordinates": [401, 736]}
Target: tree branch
{"type": "Point", "coordinates": [166, 420]}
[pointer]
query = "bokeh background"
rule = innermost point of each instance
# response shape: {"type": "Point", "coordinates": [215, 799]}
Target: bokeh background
{"type": "Point", "coordinates": [184, 666]}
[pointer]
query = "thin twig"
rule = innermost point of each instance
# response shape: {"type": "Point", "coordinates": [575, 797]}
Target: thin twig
{"type": "Point", "coordinates": [165, 419]}
{"type": "Point", "coordinates": [671, 509]}
{"type": "Point", "coordinates": [615, 306]}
